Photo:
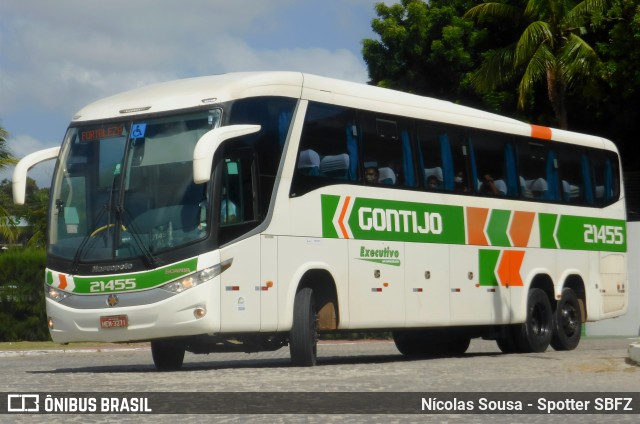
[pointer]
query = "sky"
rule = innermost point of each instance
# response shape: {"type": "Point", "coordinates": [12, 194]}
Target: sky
{"type": "Point", "coordinates": [57, 56]}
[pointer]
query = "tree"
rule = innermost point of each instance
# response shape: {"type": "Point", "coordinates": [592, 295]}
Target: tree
{"type": "Point", "coordinates": [34, 211]}
{"type": "Point", "coordinates": [619, 108]}
{"type": "Point", "coordinates": [550, 49]}
{"type": "Point", "coordinates": [425, 48]}
{"type": "Point", "coordinates": [7, 230]}
{"type": "Point", "coordinates": [6, 158]}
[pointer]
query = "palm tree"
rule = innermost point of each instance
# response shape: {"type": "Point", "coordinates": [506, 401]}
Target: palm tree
{"type": "Point", "coordinates": [549, 50]}
{"type": "Point", "coordinates": [7, 231]}
{"type": "Point", "coordinates": [5, 156]}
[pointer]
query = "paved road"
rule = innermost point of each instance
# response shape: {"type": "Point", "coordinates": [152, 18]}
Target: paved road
{"type": "Point", "coordinates": [598, 365]}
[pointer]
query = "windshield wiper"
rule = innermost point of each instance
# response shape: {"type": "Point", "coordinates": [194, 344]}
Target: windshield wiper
{"type": "Point", "coordinates": [150, 260]}
{"type": "Point", "coordinates": [76, 258]}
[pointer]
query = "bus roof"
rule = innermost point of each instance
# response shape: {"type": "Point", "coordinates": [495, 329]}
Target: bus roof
{"type": "Point", "coordinates": [210, 90]}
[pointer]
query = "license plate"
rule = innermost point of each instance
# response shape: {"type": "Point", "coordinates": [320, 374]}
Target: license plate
{"type": "Point", "coordinates": [114, 321]}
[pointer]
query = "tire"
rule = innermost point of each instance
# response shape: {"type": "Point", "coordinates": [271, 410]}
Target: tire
{"type": "Point", "coordinates": [507, 343]}
{"type": "Point", "coordinates": [567, 326]}
{"type": "Point", "coordinates": [457, 347]}
{"type": "Point", "coordinates": [303, 338]}
{"type": "Point", "coordinates": [167, 356]}
{"type": "Point", "coordinates": [429, 344]}
{"type": "Point", "coordinates": [534, 335]}
{"type": "Point", "coordinates": [410, 343]}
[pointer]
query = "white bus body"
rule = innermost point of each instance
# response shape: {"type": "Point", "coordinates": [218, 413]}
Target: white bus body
{"type": "Point", "coordinates": [231, 212]}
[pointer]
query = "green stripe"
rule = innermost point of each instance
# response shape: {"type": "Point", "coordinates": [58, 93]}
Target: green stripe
{"type": "Point", "coordinates": [497, 228]}
{"type": "Point", "coordinates": [488, 261]}
{"type": "Point", "coordinates": [584, 233]}
{"type": "Point", "coordinates": [387, 220]}
{"type": "Point", "coordinates": [329, 205]}
{"type": "Point", "coordinates": [390, 220]}
{"type": "Point", "coordinates": [143, 280]}
{"type": "Point", "coordinates": [547, 223]}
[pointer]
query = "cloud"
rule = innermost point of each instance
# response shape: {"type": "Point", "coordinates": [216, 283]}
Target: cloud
{"type": "Point", "coordinates": [67, 53]}
{"type": "Point", "coordinates": [21, 146]}
{"type": "Point", "coordinates": [233, 55]}
{"type": "Point", "coordinates": [59, 56]}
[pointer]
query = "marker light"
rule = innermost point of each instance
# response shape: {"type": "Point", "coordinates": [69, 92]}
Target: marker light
{"type": "Point", "coordinates": [55, 294]}
{"type": "Point", "coordinates": [50, 323]}
{"type": "Point", "coordinates": [199, 312]}
{"type": "Point", "coordinates": [196, 279]}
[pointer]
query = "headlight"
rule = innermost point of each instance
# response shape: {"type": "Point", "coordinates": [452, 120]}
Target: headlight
{"type": "Point", "coordinates": [198, 278]}
{"type": "Point", "coordinates": [55, 294]}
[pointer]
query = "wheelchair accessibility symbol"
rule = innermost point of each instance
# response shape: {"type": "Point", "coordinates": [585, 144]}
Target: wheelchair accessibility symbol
{"type": "Point", "coordinates": [138, 130]}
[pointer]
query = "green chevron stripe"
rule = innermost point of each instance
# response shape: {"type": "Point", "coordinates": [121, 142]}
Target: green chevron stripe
{"type": "Point", "coordinates": [488, 262]}
{"type": "Point", "coordinates": [497, 228]}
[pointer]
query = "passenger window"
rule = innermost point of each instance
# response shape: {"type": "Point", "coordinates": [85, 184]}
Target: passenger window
{"type": "Point", "coordinates": [575, 175]}
{"type": "Point", "coordinates": [442, 159]}
{"type": "Point", "coordinates": [605, 171]}
{"type": "Point", "coordinates": [274, 115]}
{"type": "Point", "coordinates": [328, 149]}
{"type": "Point", "coordinates": [386, 150]}
{"type": "Point", "coordinates": [537, 174]}
{"type": "Point", "coordinates": [493, 164]}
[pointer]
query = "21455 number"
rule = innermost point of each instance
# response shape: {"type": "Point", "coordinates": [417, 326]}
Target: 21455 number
{"type": "Point", "coordinates": [607, 234]}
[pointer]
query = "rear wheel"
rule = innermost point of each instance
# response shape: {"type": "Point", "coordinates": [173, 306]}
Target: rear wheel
{"type": "Point", "coordinates": [167, 356]}
{"type": "Point", "coordinates": [427, 343]}
{"type": "Point", "coordinates": [534, 335]}
{"type": "Point", "coordinates": [303, 338]}
{"type": "Point", "coordinates": [567, 326]}
{"type": "Point", "coordinates": [457, 347]}
{"type": "Point", "coordinates": [507, 343]}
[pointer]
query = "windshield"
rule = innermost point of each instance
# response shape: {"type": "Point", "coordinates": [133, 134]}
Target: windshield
{"type": "Point", "coordinates": [125, 189]}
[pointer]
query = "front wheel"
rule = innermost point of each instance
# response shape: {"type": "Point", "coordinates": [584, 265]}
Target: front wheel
{"type": "Point", "coordinates": [567, 326]}
{"type": "Point", "coordinates": [303, 338]}
{"type": "Point", "coordinates": [167, 356]}
{"type": "Point", "coordinates": [534, 335]}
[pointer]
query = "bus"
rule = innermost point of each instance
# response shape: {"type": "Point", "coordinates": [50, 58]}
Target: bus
{"type": "Point", "coordinates": [245, 212]}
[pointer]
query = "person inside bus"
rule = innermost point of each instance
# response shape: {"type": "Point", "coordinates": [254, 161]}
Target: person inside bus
{"type": "Point", "coordinates": [371, 175]}
{"type": "Point", "coordinates": [432, 182]}
{"type": "Point", "coordinates": [459, 184]}
{"type": "Point", "coordinates": [228, 209]}
{"type": "Point", "coordinates": [227, 212]}
{"type": "Point", "coordinates": [493, 186]}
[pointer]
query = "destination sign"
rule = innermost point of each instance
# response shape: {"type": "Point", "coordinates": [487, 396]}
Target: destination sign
{"type": "Point", "coordinates": [100, 133]}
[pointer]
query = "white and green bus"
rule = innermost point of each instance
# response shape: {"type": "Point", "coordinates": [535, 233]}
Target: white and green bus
{"type": "Point", "coordinates": [250, 211]}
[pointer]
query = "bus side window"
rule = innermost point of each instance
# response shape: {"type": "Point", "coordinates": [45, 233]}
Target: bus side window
{"type": "Point", "coordinates": [386, 146]}
{"type": "Point", "coordinates": [532, 167]}
{"type": "Point", "coordinates": [606, 186]}
{"type": "Point", "coordinates": [575, 175]}
{"type": "Point", "coordinates": [238, 198]}
{"type": "Point", "coordinates": [489, 167]}
{"type": "Point", "coordinates": [328, 149]}
{"type": "Point", "coordinates": [230, 208]}
{"type": "Point", "coordinates": [442, 159]}
{"type": "Point", "coordinates": [430, 157]}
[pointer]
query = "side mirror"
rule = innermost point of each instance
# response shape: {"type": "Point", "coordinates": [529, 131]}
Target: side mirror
{"type": "Point", "coordinates": [19, 180]}
{"type": "Point", "coordinates": [210, 142]}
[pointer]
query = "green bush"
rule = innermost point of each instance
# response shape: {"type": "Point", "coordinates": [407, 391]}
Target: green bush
{"type": "Point", "coordinates": [22, 307]}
